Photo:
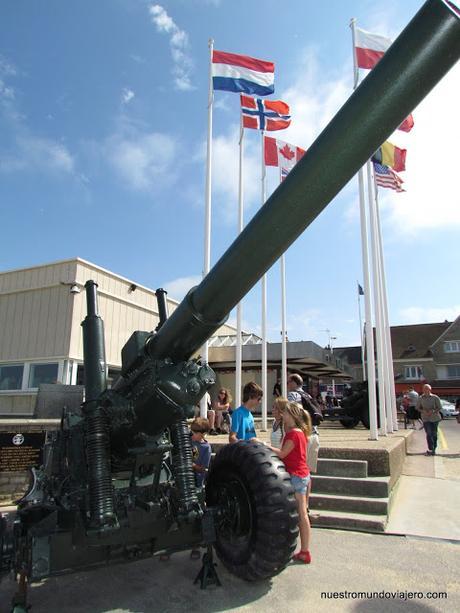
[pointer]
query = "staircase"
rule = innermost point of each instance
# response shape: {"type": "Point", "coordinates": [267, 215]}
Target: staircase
{"type": "Point", "coordinates": [345, 497]}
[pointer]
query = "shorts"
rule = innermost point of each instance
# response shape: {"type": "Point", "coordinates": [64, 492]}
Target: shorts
{"type": "Point", "coordinates": [300, 484]}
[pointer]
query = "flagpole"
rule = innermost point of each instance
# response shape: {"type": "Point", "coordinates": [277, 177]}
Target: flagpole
{"type": "Point", "coordinates": [387, 381]}
{"type": "Point", "coordinates": [239, 308]}
{"type": "Point", "coordinates": [264, 304]}
{"type": "Point", "coordinates": [361, 334]}
{"type": "Point", "coordinates": [207, 215]}
{"type": "Point", "coordinates": [384, 424]}
{"type": "Point", "coordinates": [387, 329]}
{"type": "Point", "coordinates": [283, 323]}
{"type": "Point", "coordinates": [373, 433]}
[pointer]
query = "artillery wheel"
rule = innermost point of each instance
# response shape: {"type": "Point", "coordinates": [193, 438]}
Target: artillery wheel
{"type": "Point", "coordinates": [350, 423]}
{"type": "Point", "coordinates": [257, 524]}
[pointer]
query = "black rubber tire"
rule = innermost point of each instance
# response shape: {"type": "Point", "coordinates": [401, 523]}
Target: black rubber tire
{"type": "Point", "coordinates": [257, 527]}
{"type": "Point", "coordinates": [349, 423]}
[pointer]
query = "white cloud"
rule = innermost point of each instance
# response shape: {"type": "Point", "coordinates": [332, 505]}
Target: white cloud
{"type": "Point", "coordinates": [179, 287]}
{"type": "Point", "coordinates": [432, 198]}
{"type": "Point", "coordinates": [27, 151]}
{"type": "Point", "coordinates": [180, 48]}
{"type": "Point", "coordinates": [38, 153]}
{"type": "Point", "coordinates": [127, 95]}
{"type": "Point", "coordinates": [225, 170]}
{"type": "Point", "coordinates": [304, 324]}
{"type": "Point", "coordinates": [416, 314]}
{"type": "Point", "coordinates": [314, 99]}
{"type": "Point", "coordinates": [144, 161]}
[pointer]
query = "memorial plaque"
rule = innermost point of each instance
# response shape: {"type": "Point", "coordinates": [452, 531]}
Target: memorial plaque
{"type": "Point", "coordinates": [21, 450]}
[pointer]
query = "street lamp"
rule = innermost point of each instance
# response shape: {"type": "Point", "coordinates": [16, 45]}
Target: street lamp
{"type": "Point", "coordinates": [331, 338]}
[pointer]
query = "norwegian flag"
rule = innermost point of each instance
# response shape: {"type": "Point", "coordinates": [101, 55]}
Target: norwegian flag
{"type": "Point", "coordinates": [279, 153]}
{"type": "Point", "coordinates": [266, 115]}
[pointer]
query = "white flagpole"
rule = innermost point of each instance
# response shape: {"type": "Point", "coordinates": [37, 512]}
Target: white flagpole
{"type": "Point", "coordinates": [207, 215]}
{"type": "Point", "coordinates": [361, 334]}
{"type": "Point", "coordinates": [391, 375]}
{"type": "Point", "coordinates": [283, 324]}
{"type": "Point", "coordinates": [373, 434]}
{"type": "Point", "coordinates": [384, 425]}
{"type": "Point", "coordinates": [264, 306]}
{"type": "Point", "coordinates": [239, 308]}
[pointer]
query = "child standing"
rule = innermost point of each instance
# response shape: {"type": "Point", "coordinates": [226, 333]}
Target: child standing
{"type": "Point", "coordinates": [201, 457]}
{"type": "Point", "coordinates": [201, 449]}
{"type": "Point", "coordinates": [277, 433]}
{"type": "Point", "coordinates": [297, 427]}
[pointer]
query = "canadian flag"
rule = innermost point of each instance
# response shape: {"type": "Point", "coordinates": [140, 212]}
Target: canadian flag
{"type": "Point", "coordinates": [279, 153]}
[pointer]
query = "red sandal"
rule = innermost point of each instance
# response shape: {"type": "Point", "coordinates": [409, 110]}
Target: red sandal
{"type": "Point", "coordinates": [302, 556]}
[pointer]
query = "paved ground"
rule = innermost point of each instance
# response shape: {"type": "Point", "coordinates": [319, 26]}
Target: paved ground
{"type": "Point", "coordinates": [342, 562]}
{"type": "Point", "coordinates": [427, 497]}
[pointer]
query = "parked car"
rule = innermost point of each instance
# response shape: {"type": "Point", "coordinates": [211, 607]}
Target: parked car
{"type": "Point", "coordinates": [448, 409]}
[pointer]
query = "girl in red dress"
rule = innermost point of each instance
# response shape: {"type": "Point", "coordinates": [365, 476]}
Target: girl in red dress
{"type": "Point", "coordinates": [293, 452]}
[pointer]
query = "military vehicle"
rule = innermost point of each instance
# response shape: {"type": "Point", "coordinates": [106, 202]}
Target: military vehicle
{"type": "Point", "coordinates": [117, 482]}
{"type": "Point", "coordinates": [353, 408]}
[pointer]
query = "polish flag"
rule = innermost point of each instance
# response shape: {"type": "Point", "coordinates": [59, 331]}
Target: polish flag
{"type": "Point", "coordinates": [370, 48]}
{"type": "Point", "coordinates": [279, 153]}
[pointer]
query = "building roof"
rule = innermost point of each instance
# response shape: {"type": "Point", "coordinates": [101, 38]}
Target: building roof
{"type": "Point", "coordinates": [351, 354]}
{"type": "Point", "coordinates": [414, 341]}
{"type": "Point", "coordinates": [409, 342]}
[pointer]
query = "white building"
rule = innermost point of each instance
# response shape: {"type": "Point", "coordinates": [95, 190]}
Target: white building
{"type": "Point", "coordinates": [41, 310]}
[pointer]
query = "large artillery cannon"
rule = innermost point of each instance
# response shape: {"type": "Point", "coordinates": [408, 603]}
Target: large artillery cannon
{"type": "Point", "coordinates": [117, 482]}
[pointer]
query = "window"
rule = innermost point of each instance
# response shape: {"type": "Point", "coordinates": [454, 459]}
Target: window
{"type": "Point", "coordinates": [413, 372]}
{"type": "Point", "coordinates": [11, 376]}
{"type": "Point", "coordinates": [452, 347]}
{"type": "Point", "coordinates": [42, 373]}
{"type": "Point", "coordinates": [453, 371]}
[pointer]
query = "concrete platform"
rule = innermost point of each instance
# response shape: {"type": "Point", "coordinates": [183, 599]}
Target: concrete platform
{"type": "Point", "coordinates": [385, 457]}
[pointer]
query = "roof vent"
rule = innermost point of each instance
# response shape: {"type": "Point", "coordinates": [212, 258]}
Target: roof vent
{"type": "Point", "coordinates": [411, 348]}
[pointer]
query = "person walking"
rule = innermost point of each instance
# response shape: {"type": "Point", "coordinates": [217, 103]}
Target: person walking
{"type": "Point", "coordinates": [429, 406]}
{"type": "Point", "coordinates": [412, 411]}
{"type": "Point", "coordinates": [293, 452]}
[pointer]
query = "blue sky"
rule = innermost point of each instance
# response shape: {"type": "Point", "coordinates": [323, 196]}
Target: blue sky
{"type": "Point", "coordinates": [102, 152]}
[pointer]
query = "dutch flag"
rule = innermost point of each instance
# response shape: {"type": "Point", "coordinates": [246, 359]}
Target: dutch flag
{"type": "Point", "coordinates": [241, 73]}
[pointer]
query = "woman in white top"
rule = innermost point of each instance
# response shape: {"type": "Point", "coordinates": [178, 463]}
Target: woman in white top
{"type": "Point", "coordinates": [277, 433]}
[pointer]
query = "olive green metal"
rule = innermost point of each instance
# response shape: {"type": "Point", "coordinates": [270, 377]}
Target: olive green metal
{"type": "Point", "coordinates": [419, 58]}
{"type": "Point", "coordinates": [93, 346]}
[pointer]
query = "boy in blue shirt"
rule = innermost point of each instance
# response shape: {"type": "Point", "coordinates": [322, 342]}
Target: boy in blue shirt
{"type": "Point", "coordinates": [242, 427]}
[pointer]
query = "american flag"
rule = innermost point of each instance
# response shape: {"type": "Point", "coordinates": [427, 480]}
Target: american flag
{"type": "Point", "coordinates": [284, 173]}
{"type": "Point", "coordinates": [386, 177]}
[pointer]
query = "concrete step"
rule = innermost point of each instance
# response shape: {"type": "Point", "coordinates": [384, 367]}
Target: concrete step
{"type": "Point", "coordinates": [342, 468]}
{"type": "Point", "coordinates": [371, 487]}
{"type": "Point", "coordinates": [348, 504]}
{"type": "Point", "coordinates": [348, 521]}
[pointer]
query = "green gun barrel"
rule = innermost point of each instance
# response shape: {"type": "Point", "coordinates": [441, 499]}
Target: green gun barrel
{"type": "Point", "coordinates": [418, 59]}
